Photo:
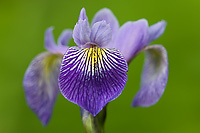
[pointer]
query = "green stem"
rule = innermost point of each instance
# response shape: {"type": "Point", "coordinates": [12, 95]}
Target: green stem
{"type": "Point", "coordinates": [93, 124]}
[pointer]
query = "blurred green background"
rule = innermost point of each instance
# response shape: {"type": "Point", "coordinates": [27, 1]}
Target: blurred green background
{"type": "Point", "coordinates": [22, 27]}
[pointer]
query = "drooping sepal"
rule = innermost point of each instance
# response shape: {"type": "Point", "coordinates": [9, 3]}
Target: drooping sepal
{"type": "Point", "coordinates": [154, 77]}
{"type": "Point", "coordinates": [41, 84]}
{"type": "Point", "coordinates": [92, 77]}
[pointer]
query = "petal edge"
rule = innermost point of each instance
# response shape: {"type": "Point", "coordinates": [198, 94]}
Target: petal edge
{"type": "Point", "coordinates": [92, 85]}
{"type": "Point", "coordinates": [156, 30]}
{"type": "Point", "coordinates": [50, 44]}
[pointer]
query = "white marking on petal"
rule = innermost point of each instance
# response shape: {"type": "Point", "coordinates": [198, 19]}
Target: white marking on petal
{"type": "Point", "coordinates": [94, 78]}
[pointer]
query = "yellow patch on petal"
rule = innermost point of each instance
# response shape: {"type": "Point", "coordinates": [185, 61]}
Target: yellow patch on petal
{"type": "Point", "coordinates": [50, 62]}
{"type": "Point", "coordinates": [93, 54]}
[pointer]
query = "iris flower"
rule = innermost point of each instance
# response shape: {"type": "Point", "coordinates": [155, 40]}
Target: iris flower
{"type": "Point", "coordinates": [94, 73]}
{"type": "Point", "coordinates": [41, 78]}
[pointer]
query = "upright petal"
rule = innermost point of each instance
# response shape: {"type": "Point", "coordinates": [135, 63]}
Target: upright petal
{"type": "Point", "coordinates": [131, 38]}
{"type": "Point", "coordinates": [50, 44]}
{"type": "Point", "coordinates": [81, 33]}
{"type": "Point", "coordinates": [156, 30]}
{"type": "Point", "coordinates": [65, 37]}
{"type": "Point", "coordinates": [92, 77]}
{"type": "Point", "coordinates": [41, 84]}
{"type": "Point", "coordinates": [83, 15]}
{"type": "Point", "coordinates": [63, 41]}
{"type": "Point", "coordinates": [154, 77]}
{"type": "Point", "coordinates": [101, 33]}
{"type": "Point", "coordinates": [107, 15]}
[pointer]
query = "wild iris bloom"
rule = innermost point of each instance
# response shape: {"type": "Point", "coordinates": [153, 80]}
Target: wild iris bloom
{"type": "Point", "coordinates": [41, 78]}
{"type": "Point", "coordinates": [92, 74]}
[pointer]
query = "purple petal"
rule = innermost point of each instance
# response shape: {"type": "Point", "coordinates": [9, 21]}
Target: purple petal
{"type": "Point", "coordinates": [81, 32]}
{"type": "Point", "coordinates": [63, 41]}
{"type": "Point", "coordinates": [50, 44]}
{"type": "Point", "coordinates": [41, 84]}
{"type": "Point", "coordinates": [101, 33]}
{"type": "Point", "coordinates": [92, 77]}
{"type": "Point", "coordinates": [154, 77]}
{"type": "Point", "coordinates": [108, 16]}
{"type": "Point", "coordinates": [131, 38]}
{"type": "Point", "coordinates": [64, 37]}
{"type": "Point", "coordinates": [62, 49]}
{"type": "Point", "coordinates": [157, 30]}
{"type": "Point", "coordinates": [83, 15]}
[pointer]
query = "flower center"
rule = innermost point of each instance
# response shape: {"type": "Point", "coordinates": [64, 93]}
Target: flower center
{"type": "Point", "coordinates": [92, 54]}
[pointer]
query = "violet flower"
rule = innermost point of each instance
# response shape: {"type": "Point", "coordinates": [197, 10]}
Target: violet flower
{"type": "Point", "coordinates": [41, 78]}
{"type": "Point", "coordinates": [92, 74]}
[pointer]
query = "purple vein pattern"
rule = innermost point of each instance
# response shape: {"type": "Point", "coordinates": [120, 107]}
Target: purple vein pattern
{"type": "Point", "coordinates": [91, 76]}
